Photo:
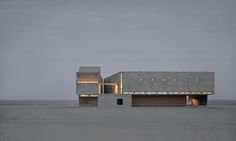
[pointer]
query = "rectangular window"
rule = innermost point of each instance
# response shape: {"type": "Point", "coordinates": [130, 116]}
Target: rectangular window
{"type": "Point", "coordinates": [119, 101]}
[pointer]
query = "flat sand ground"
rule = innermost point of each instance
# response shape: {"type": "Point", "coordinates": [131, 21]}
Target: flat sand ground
{"type": "Point", "coordinates": [35, 123]}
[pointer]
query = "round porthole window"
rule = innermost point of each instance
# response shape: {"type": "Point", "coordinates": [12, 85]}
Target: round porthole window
{"type": "Point", "coordinates": [140, 79]}
{"type": "Point", "coordinates": [186, 79]}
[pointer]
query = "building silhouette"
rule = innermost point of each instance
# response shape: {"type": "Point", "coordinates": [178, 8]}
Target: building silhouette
{"type": "Point", "coordinates": [138, 88]}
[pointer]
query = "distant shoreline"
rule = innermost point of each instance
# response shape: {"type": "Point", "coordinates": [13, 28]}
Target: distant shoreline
{"type": "Point", "coordinates": [75, 102]}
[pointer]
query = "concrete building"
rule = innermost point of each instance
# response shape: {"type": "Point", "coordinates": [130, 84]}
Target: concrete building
{"type": "Point", "coordinates": [126, 89]}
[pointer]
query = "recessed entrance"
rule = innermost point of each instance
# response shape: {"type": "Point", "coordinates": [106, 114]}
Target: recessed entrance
{"type": "Point", "coordinates": [197, 100]}
{"type": "Point", "coordinates": [109, 88]}
{"type": "Point", "coordinates": [141, 100]}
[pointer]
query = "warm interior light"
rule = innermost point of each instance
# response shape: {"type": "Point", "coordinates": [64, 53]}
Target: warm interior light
{"type": "Point", "coordinates": [194, 101]}
{"type": "Point", "coordinates": [86, 82]}
{"type": "Point", "coordinates": [114, 86]}
{"type": "Point", "coordinates": [116, 89]}
{"type": "Point", "coordinates": [121, 83]}
{"type": "Point", "coordinates": [84, 77]}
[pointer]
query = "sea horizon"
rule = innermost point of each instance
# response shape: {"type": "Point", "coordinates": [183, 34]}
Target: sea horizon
{"type": "Point", "coordinates": [67, 102]}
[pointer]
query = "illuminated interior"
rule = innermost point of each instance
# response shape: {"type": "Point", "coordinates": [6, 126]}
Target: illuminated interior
{"type": "Point", "coordinates": [113, 86]}
{"type": "Point", "coordinates": [87, 78]}
{"type": "Point", "coordinates": [196, 100]}
{"type": "Point", "coordinates": [121, 83]}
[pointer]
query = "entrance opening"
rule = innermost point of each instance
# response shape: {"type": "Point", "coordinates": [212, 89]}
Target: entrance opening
{"type": "Point", "coordinates": [197, 100]}
{"type": "Point", "coordinates": [119, 101]}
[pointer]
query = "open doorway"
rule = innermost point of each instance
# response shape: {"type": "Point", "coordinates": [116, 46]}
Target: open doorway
{"type": "Point", "coordinates": [195, 100]}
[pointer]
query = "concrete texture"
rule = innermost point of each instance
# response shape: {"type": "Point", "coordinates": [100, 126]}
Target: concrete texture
{"type": "Point", "coordinates": [110, 101]}
{"type": "Point", "coordinates": [87, 89]}
{"type": "Point", "coordinates": [86, 75]}
{"type": "Point", "coordinates": [165, 81]}
{"type": "Point", "coordinates": [88, 101]}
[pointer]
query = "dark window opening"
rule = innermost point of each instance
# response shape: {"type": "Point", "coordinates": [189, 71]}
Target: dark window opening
{"type": "Point", "coordinates": [119, 101]}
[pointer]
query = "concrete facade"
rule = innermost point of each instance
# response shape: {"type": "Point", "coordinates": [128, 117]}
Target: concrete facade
{"type": "Point", "coordinates": [87, 85]}
{"type": "Point", "coordinates": [144, 88]}
{"type": "Point", "coordinates": [111, 101]}
{"type": "Point", "coordinates": [164, 81]}
{"type": "Point", "coordinates": [87, 89]}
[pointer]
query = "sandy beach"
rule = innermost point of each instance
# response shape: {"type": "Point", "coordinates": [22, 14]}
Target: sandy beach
{"type": "Point", "coordinates": [61, 123]}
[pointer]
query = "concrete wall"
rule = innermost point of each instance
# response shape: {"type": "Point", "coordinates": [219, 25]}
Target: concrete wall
{"type": "Point", "coordinates": [87, 80]}
{"type": "Point", "coordinates": [110, 101]}
{"type": "Point", "coordinates": [87, 89]}
{"type": "Point", "coordinates": [166, 81]}
{"type": "Point", "coordinates": [88, 101]}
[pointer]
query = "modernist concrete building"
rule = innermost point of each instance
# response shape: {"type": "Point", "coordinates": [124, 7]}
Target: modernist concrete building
{"type": "Point", "coordinates": [126, 89]}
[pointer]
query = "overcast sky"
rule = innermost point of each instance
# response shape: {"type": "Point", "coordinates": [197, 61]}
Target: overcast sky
{"type": "Point", "coordinates": [43, 42]}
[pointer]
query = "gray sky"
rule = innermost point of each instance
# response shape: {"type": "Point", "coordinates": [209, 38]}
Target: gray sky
{"type": "Point", "coordinates": [43, 42]}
